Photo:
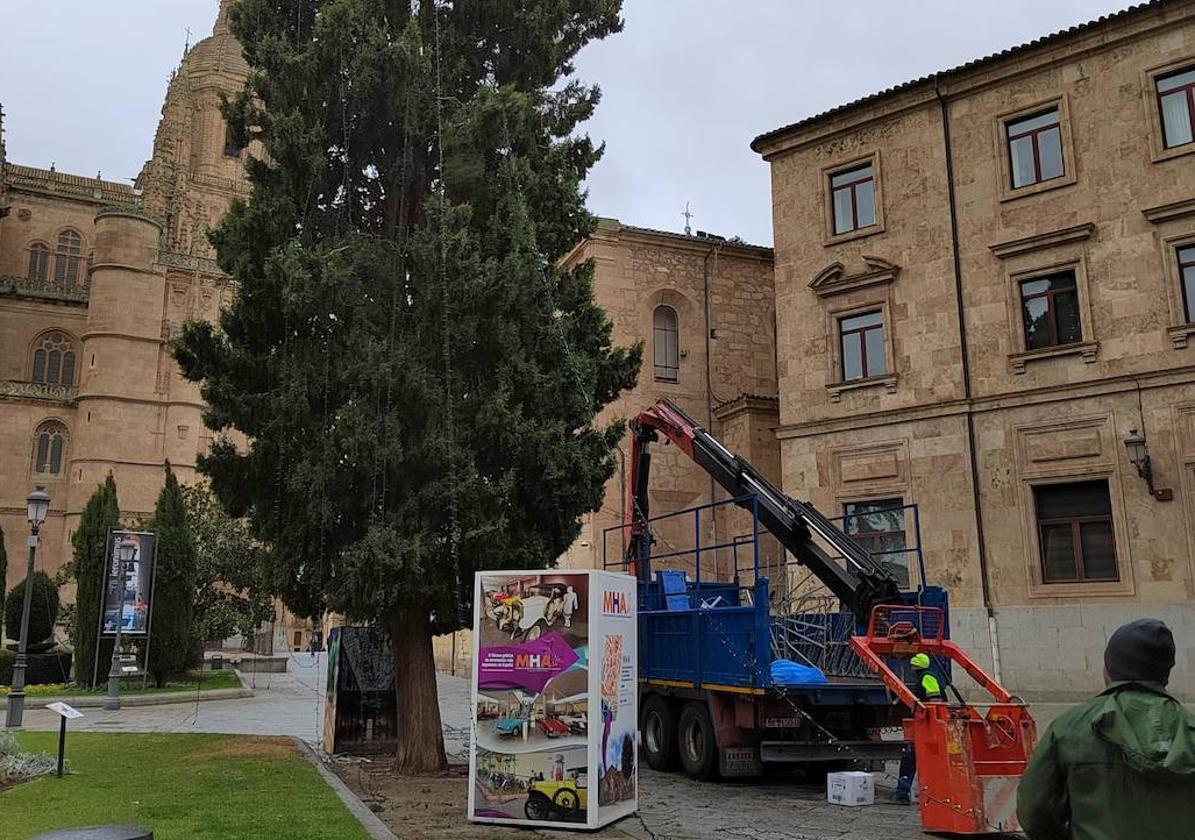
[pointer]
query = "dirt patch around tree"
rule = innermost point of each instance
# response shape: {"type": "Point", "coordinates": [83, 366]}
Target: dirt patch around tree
{"type": "Point", "coordinates": [249, 747]}
{"type": "Point", "coordinates": [431, 807]}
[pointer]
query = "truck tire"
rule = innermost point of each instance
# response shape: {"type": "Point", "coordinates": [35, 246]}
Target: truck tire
{"type": "Point", "coordinates": [696, 742]}
{"type": "Point", "coordinates": [657, 722]}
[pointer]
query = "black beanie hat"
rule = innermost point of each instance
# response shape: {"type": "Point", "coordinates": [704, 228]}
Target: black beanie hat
{"type": "Point", "coordinates": [1142, 651]}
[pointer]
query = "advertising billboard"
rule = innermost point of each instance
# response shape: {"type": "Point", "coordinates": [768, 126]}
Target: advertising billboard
{"type": "Point", "coordinates": [360, 707]}
{"type": "Point", "coordinates": [555, 699]}
{"type": "Point", "coordinates": [127, 596]}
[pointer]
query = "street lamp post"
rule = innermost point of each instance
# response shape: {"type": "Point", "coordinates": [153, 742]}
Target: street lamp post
{"type": "Point", "coordinates": [38, 508]}
{"type": "Point", "coordinates": [124, 556]}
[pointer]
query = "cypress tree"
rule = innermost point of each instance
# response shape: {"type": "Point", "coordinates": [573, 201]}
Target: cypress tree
{"type": "Point", "coordinates": [174, 583]}
{"type": "Point", "coordinates": [419, 379]}
{"type": "Point", "coordinates": [101, 514]}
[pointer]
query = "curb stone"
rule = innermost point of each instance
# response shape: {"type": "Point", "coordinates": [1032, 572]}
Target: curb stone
{"type": "Point", "coordinates": [373, 826]}
{"type": "Point", "coordinates": [130, 701]}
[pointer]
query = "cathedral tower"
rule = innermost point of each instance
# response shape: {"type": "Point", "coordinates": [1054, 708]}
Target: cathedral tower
{"type": "Point", "coordinates": [154, 269]}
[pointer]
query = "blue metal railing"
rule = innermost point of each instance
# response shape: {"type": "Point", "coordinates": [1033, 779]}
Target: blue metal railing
{"type": "Point", "coordinates": [750, 502]}
{"type": "Point", "coordinates": [722, 632]}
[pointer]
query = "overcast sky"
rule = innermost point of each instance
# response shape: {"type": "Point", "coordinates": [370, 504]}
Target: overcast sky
{"type": "Point", "coordinates": [686, 86]}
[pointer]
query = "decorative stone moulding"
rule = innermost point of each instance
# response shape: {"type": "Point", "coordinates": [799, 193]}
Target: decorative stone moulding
{"type": "Point", "coordinates": [833, 279]}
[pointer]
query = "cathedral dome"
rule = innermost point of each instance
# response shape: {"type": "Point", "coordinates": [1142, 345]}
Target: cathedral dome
{"type": "Point", "coordinates": [219, 53]}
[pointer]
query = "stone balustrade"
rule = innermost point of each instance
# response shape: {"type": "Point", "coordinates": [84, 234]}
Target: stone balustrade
{"type": "Point", "coordinates": [38, 391]}
{"type": "Point", "coordinates": [74, 290]}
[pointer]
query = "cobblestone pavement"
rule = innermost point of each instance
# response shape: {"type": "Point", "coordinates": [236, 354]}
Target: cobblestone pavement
{"type": "Point", "coordinates": [779, 807]}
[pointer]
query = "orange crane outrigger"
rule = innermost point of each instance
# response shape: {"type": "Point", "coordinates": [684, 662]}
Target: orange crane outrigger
{"type": "Point", "coordinates": [969, 764]}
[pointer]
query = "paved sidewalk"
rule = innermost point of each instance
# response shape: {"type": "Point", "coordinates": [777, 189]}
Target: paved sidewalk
{"type": "Point", "coordinates": [284, 704]}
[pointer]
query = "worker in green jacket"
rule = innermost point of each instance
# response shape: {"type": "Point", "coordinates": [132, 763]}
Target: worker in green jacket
{"type": "Point", "coordinates": [928, 689]}
{"type": "Point", "coordinates": [1121, 766]}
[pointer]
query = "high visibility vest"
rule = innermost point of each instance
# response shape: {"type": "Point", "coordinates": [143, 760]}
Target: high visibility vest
{"type": "Point", "coordinates": [931, 687]}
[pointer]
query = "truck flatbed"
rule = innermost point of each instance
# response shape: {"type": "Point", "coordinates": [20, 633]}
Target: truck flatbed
{"type": "Point", "coordinates": [708, 702]}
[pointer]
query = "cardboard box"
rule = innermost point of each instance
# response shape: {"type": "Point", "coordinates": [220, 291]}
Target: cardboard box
{"type": "Point", "coordinates": [850, 789]}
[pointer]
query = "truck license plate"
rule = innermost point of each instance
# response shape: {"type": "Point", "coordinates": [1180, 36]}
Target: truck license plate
{"type": "Point", "coordinates": [740, 761]}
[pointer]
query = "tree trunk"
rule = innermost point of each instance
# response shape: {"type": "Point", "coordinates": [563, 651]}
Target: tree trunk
{"type": "Point", "coordinates": [420, 735]}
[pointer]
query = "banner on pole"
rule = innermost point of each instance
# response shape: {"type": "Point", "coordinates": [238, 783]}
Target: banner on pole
{"type": "Point", "coordinates": [127, 596]}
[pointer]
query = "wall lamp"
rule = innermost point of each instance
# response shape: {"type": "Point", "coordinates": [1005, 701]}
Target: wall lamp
{"type": "Point", "coordinates": [1138, 451]}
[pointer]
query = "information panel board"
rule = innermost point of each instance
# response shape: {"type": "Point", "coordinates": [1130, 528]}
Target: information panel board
{"type": "Point", "coordinates": [360, 707]}
{"type": "Point", "coordinates": [555, 699]}
{"type": "Point", "coordinates": [127, 600]}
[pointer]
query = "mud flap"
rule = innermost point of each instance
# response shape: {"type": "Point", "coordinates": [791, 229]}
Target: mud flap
{"type": "Point", "coordinates": [739, 762]}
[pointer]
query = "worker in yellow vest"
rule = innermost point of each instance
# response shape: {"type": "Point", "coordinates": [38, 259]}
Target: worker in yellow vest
{"type": "Point", "coordinates": [928, 690]}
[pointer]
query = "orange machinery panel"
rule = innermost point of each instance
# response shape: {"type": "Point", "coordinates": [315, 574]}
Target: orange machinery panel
{"type": "Point", "coordinates": [969, 763]}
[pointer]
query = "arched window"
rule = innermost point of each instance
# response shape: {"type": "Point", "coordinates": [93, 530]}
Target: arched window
{"type": "Point", "coordinates": [666, 344]}
{"type": "Point", "coordinates": [54, 360]}
{"type": "Point", "coordinates": [67, 257]}
{"type": "Point", "coordinates": [39, 262]}
{"type": "Point", "coordinates": [49, 448]}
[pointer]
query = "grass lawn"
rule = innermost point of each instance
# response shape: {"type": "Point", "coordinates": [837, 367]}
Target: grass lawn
{"type": "Point", "coordinates": [216, 787]}
{"type": "Point", "coordinates": [208, 681]}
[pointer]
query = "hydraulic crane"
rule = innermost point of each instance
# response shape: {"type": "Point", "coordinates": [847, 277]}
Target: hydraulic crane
{"type": "Point", "coordinates": [859, 581]}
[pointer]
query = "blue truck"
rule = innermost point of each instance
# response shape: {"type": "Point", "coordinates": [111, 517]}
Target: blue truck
{"type": "Point", "coordinates": [730, 678]}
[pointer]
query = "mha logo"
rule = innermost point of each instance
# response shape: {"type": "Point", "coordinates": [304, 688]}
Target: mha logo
{"type": "Point", "coordinates": [616, 603]}
{"type": "Point", "coordinates": [536, 662]}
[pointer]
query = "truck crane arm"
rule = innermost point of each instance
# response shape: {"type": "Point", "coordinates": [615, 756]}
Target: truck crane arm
{"type": "Point", "coordinates": [859, 581]}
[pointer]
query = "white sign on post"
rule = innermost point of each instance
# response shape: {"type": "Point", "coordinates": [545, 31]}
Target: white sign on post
{"type": "Point", "coordinates": [68, 712]}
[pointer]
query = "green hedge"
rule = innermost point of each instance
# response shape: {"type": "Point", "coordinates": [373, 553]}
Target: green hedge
{"type": "Point", "coordinates": [40, 668]}
{"type": "Point", "coordinates": [43, 609]}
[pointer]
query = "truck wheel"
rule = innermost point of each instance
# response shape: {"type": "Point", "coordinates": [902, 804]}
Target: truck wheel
{"type": "Point", "coordinates": [698, 746]}
{"type": "Point", "coordinates": [657, 722]}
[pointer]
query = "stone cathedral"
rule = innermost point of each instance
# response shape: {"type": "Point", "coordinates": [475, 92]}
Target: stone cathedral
{"type": "Point", "coordinates": [95, 278]}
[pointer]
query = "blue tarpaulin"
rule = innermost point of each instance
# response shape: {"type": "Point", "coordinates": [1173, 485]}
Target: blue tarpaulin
{"type": "Point", "coordinates": [787, 672]}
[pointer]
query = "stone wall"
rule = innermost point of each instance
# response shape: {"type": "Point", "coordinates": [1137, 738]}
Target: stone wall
{"type": "Point", "coordinates": [1044, 417]}
{"type": "Point", "coordinates": [637, 270]}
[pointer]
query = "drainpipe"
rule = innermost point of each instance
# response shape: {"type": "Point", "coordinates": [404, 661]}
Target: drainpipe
{"type": "Point", "coordinates": [622, 505]}
{"type": "Point", "coordinates": [984, 572]}
{"type": "Point", "coordinates": [709, 381]}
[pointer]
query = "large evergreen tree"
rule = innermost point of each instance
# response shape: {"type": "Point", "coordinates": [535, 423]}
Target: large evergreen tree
{"type": "Point", "coordinates": [101, 513]}
{"type": "Point", "coordinates": [417, 378]}
{"type": "Point", "coordinates": [174, 584]}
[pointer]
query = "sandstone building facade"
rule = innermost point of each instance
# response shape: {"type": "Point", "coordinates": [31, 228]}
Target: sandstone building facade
{"type": "Point", "coordinates": [95, 278]}
{"type": "Point", "coordinates": [985, 288]}
{"type": "Point", "coordinates": [703, 309]}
